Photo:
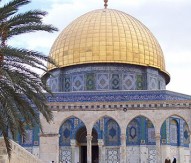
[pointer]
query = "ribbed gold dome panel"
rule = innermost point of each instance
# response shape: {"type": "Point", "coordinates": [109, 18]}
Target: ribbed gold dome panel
{"type": "Point", "coordinates": [107, 36]}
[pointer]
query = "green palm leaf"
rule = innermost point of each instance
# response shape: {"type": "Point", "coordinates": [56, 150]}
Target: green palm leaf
{"type": "Point", "coordinates": [22, 91]}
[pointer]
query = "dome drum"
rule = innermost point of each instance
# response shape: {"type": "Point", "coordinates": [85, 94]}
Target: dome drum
{"type": "Point", "coordinates": [107, 36]}
{"type": "Point", "coordinates": [105, 77]}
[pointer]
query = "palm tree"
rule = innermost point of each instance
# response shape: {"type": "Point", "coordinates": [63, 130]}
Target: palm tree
{"type": "Point", "coordinates": [22, 91]}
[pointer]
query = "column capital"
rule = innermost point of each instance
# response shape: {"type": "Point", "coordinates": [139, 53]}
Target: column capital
{"type": "Point", "coordinates": [157, 136]}
{"type": "Point", "coordinates": [73, 142]}
{"type": "Point", "coordinates": [89, 137]}
{"type": "Point", "coordinates": [100, 142]}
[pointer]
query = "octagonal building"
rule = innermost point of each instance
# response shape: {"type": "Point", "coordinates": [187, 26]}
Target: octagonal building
{"type": "Point", "coordinates": [110, 102]}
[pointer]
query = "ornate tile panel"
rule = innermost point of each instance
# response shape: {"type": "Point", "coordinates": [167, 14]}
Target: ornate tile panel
{"type": "Point", "coordinates": [65, 154]}
{"type": "Point", "coordinates": [111, 132]}
{"type": "Point", "coordinates": [140, 82]}
{"type": "Point", "coordinates": [181, 131]}
{"type": "Point", "coordinates": [167, 131]}
{"type": "Point", "coordinates": [133, 132]}
{"type": "Point", "coordinates": [90, 81]}
{"type": "Point", "coordinates": [54, 84]}
{"type": "Point", "coordinates": [78, 82]}
{"type": "Point", "coordinates": [152, 155]}
{"type": "Point", "coordinates": [151, 135]}
{"type": "Point", "coordinates": [153, 83]}
{"type": "Point", "coordinates": [106, 77]}
{"type": "Point", "coordinates": [67, 84]}
{"type": "Point", "coordinates": [68, 130]}
{"type": "Point", "coordinates": [102, 81]}
{"type": "Point", "coordinates": [112, 155]}
{"type": "Point", "coordinates": [129, 82]}
{"type": "Point", "coordinates": [162, 83]}
{"type": "Point", "coordinates": [65, 133]}
{"type": "Point", "coordinates": [115, 82]}
{"type": "Point", "coordinates": [173, 132]}
{"type": "Point", "coordinates": [186, 139]}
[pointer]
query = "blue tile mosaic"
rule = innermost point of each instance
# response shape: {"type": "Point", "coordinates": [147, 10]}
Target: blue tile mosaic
{"type": "Point", "coordinates": [68, 130]}
{"type": "Point", "coordinates": [105, 77]}
{"type": "Point", "coordinates": [116, 96]}
{"type": "Point", "coordinates": [111, 132]}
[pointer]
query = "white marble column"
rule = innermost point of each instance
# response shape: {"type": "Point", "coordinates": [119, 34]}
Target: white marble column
{"type": "Point", "coordinates": [73, 147]}
{"type": "Point", "coordinates": [158, 148]}
{"type": "Point", "coordinates": [89, 148]}
{"type": "Point", "coordinates": [100, 145]}
{"type": "Point", "coordinates": [123, 148]}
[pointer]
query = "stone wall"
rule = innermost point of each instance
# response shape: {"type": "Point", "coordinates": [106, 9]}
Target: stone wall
{"type": "Point", "coordinates": [156, 112]}
{"type": "Point", "coordinates": [19, 154]}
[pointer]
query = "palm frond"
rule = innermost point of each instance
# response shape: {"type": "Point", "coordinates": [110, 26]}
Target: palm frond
{"type": "Point", "coordinates": [11, 8]}
{"type": "Point", "coordinates": [22, 91]}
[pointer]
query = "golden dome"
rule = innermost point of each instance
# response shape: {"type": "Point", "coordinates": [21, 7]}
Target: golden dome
{"type": "Point", "coordinates": [107, 36]}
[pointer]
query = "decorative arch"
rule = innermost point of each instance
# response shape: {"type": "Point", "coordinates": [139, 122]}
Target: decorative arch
{"type": "Point", "coordinates": [175, 131]}
{"type": "Point", "coordinates": [168, 115]}
{"type": "Point", "coordinates": [108, 130]}
{"type": "Point", "coordinates": [70, 116]}
{"type": "Point", "coordinates": [143, 125]}
{"type": "Point", "coordinates": [140, 139]}
{"type": "Point", "coordinates": [175, 134]}
{"type": "Point", "coordinates": [112, 132]}
{"type": "Point", "coordinates": [133, 132]}
{"type": "Point", "coordinates": [69, 129]}
{"type": "Point", "coordinates": [96, 119]}
{"type": "Point", "coordinates": [142, 115]}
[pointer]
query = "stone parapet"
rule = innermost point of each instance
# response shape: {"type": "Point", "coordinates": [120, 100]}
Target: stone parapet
{"type": "Point", "coordinates": [18, 155]}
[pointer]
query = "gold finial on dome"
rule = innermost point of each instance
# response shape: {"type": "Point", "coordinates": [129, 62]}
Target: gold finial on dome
{"type": "Point", "coordinates": [106, 1]}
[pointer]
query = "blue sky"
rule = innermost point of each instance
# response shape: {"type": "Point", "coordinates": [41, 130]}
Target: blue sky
{"type": "Point", "coordinates": [168, 20]}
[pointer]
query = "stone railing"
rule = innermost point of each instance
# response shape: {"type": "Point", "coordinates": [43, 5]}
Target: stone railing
{"type": "Point", "coordinates": [18, 155]}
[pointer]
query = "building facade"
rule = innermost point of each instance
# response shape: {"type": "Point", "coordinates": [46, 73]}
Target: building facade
{"type": "Point", "coordinates": [110, 102]}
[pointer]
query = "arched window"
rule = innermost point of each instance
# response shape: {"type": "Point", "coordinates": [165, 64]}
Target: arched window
{"type": "Point", "coordinates": [72, 128]}
{"type": "Point", "coordinates": [112, 132]}
{"type": "Point", "coordinates": [68, 130]}
{"type": "Point", "coordinates": [174, 132]}
{"type": "Point", "coordinates": [65, 133]}
{"type": "Point", "coordinates": [133, 133]}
